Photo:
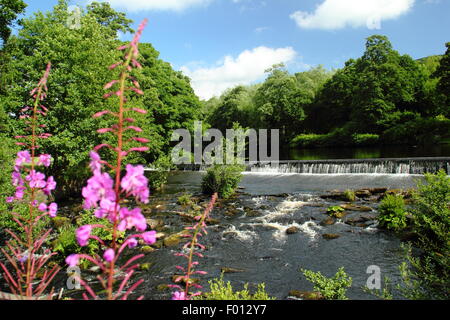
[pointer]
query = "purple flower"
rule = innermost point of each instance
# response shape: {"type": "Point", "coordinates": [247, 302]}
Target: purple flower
{"type": "Point", "coordinates": [149, 237]}
{"type": "Point", "coordinates": [109, 255]}
{"type": "Point", "coordinates": [20, 191]}
{"type": "Point", "coordinates": [135, 182]}
{"type": "Point", "coordinates": [72, 260]}
{"type": "Point", "coordinates": [132, 242]}
{"type": "Point", "coordinates": [51, 185]}
{"type": "Point", "coordinates": [83, 234]}
{"type": "Point", "coordinates": [99, 186]}
{"type": "Point", "coordinates": [36, 179]}
{"type": "Point", "coordinates": [95, 164]}
{"type": "Point", "coordinates": [52, 209]}
{"type": "Point", "coordinates": [42, 207]}
{"type": "Point", "coordinates": [45, 160]}
{"type": "Point", "coordinates": [130, 219]}
{"type": "Point", "coordinates": [179, 295]}
{"type": "Point", "coordinates": [106, 209]}
{"type": "Point", "coordinates": [23, 157]}
{"type": "Point", "coordinates": [17, 179]}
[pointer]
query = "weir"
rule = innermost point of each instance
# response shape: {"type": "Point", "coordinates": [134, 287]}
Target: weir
{"type": "Point", "coordinates": [345, 166]}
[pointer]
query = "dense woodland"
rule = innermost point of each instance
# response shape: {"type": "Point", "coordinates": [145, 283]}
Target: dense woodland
{"type": "Point", "coordinates": [382, 97]}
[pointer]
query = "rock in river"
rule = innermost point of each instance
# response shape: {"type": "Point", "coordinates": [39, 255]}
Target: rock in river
{"type": "Point", "coordinates": [330, 236]}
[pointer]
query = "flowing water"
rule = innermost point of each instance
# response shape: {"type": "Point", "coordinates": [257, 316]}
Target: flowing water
{"type": "Point", "coordinates": [254, 239]}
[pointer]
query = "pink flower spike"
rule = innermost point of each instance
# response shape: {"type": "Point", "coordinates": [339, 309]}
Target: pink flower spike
{"type": "Point", "coordinates": [130, 120]}
{"type": "Point", "coordinates": [122, 47]}
{"type": "Point", "coordinates": [101, 113]}
{"type": "Point", "coordinates": [138, 91]}
{"type": "Point", "coordinates": [139, 149]}
{"type": "Point", "coordinates": [96, 148]}
{"type": "Point", "coordinates": [142, 140]}
{"type": "Point", "coordinates": [104, 130]}
{"type": "Point", "coordinates": [137, 129]}
{"type": "Point", "coordinates": [109, 255]}
{"type": "Point", "coordinates": [110, 84]}
{"type": "Point", "coordinates": [115, 65]}
{"type": "Point", "coordinates": [139, 110]}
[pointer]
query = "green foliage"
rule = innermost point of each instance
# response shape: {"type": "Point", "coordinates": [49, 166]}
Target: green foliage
{"type": "Point", "coordinates": [157, 178]}
{"type": "Point", "coordinates": [350, 195]}
{"type": "Point", "coordinates": [80, 60]}
{"type": "Point", "coordinates": [392, 212]}
{"type": "Point", "coordinates": [443, 86]}
{"type": "Point", "coordinates": [66, 242]}
{"type": "Point", "coordinates": [333, 288]}
{"type": "Point", "coordinates": [223, 179]}
{"type": "Point", "coordinates": [9, 10]}
{"type": "Point", "coordinates": [221, 291]}
{"type": "Point", "coordinates": [185, 199]}
{"type": "Point", "coordinates": [335, 211]}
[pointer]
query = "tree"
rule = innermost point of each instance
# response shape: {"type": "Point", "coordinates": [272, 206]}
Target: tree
{"type": "Point", "coordinates": [80, 60]}
{"type": "Point", "coordinates": [443, 86]}
{"type": "Point", "coordinates": [108, 17]}
{"type": "Point", "coordinates": [9, 10]}
{"type": "Point", "coordinates": [279, 101]}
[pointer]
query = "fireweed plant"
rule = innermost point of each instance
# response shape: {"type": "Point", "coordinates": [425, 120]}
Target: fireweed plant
{"type": "Point", "coordinates": [192, 247]}
{"type": "Point", "coordinates": [107, 194]}
{"type": "Point", "coordinates": [25, 252]}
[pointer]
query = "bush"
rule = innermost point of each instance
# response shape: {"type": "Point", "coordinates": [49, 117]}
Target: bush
{"type": "Point", "coordinates": [333, 288]}
{"type": "Point", "coordinates": [365, 139]}
{"type": "Point", "coordinates": [158, 177]}
{"type": "Point", "coordinates": [221, 291]}
{"type": "Point", "coordinates": [392, 213]}
{"type": "Point", "coordinates": [185, 199]}
{"type": "Point", "coordinates": [222, 179]}
{"type": "Point", "coordinates": [335, 211]}
{"type": "Point", "coordinates": [350, 195]}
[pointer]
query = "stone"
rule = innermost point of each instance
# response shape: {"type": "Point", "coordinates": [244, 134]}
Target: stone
{"type": "Point", "coordinates": [147, 249]}
{"type": "Point", "coordinates": [306, 295]}
{"type": "Point", "coordinates": [377, 190]}
{"type": "Point", "coordinates": [363, 193]}
{"type": "Point", "coordinates": [328, 221]}
{"type": "Point", "coordinates": [330, 236]}
{"type": "Point", "coordinates": [292, 230]}
{"type": "Point", "coordinates": [154, 223]}
{"type": "Point", "coordinates": [354, 207]}
{"type": "Point", "coordinates": [230, 270]}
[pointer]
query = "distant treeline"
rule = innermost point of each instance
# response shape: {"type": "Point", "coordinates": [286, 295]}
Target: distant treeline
{"type": "Point", "coordinates": [380, 98]}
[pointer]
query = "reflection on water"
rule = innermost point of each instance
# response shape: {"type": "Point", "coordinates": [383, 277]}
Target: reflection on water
{"type": "Point", "coordinates": [442, 150]}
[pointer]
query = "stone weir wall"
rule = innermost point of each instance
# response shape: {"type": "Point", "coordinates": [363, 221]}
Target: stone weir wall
{"type": "Point", "coordinates": [345, 166]}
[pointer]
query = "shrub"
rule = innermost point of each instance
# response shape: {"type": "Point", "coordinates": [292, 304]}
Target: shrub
{"type": "Point", "coordinates": [335, 211]}
{"type": "Point", "coordinates": [350, 195]}
{"type": "Point", "coordinates": [222, 179]}
{"type": "Point", "coordinates": [158, 177]}
{"type": "Point", "coordinates": [392, 213]}
{"type": "Point", "coordinates": [185, 199]}
{"type": "Point", "coordinates": [221, 291]}
{"type": "Point", "coordinates": [333, 288]}
{"type": "Point", "coordinates": [365, 139]}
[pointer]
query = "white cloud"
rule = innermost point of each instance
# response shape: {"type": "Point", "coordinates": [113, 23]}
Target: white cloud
{"type": "Point", "coordinates": [248, 67]}
{"type": "Point", "coordinates": [338, 14]}
{"type": "Point", "coordinates": [162, 5]}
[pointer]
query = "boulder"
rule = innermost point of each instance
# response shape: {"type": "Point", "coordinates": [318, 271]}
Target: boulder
{"type": "Point", "coordinates": [330, 236]}
{"type": "Point", "coordinates": [230, 270]}
{"type": "Point", "coordinates": [292, 230]}
{"type": "Point", "coordinates": [328, 221]}
{"type": "Point", "coordinates": [354, 207]}
{"type": "Point", "coordinates": [306, 295]}
{"type": "Point", "coordinates": [363, 193]}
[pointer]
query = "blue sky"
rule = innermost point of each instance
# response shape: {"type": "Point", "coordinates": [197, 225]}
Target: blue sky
{"type": "Point", "coordinates": [222, 43]}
